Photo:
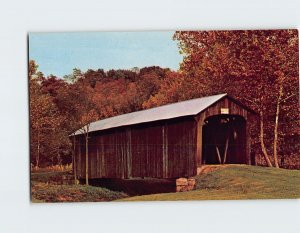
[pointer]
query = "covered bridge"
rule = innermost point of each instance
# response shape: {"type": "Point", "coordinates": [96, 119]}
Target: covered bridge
{"type": "Point", "coordinates": [169, 141]}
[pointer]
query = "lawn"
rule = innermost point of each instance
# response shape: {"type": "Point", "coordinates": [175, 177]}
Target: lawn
{"type": "Point", "coordinates": [229, 182]}
{"type": "Point", "coordinates": [48, 187]}
{"type": "Point", "coordinates": [237, 182]}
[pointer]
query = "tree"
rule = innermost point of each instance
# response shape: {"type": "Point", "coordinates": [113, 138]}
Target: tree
{"type": "Point", "coordinates": [44, 120]}
{"type": "Point", "coordinates": [32, 68]}
{"type": "Point", "coordinates": [168, 91]}
{"type": "Point", "coordinates": [87, 114]}
{"type": "Point", "coordinates": [125, 74]}
{"type": "Point", "coordinates": [74, 77]}
{"type": "Point", "coordinates": [48, 136]}
{"type": "Point", "coordinates": [66, 101]}
{"type": "Point", "coordinates": [259, 68]}
{"type": "Point", "coordinates": [52, 85]}
{"type": "Point", "coordinates": [147, 86]}
{"type": "Point", "coordinates": [91, 77]}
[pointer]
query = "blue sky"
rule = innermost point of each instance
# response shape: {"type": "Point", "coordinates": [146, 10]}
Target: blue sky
{"type": "Point", "coordinates": [59, 53]}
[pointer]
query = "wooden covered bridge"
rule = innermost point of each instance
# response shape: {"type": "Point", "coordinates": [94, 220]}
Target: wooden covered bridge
{"type": "Point", "coordinates": [169, 141]}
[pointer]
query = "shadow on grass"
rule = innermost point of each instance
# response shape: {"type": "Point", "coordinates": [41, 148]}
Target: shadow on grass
{"type": "Point", "coordinates": [137, 186]}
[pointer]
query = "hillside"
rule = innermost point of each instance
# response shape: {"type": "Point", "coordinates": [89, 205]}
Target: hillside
{"type": "Point", "coordinates": [237, 182]}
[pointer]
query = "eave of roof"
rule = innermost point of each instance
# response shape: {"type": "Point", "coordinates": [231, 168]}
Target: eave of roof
{"type": "Point", "coordinates": [169, 111]}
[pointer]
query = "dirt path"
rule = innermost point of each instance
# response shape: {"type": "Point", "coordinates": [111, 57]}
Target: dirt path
{"type": "Point", "coordinates": [209, 168]}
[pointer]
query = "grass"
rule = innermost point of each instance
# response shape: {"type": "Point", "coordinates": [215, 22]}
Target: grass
{"type": "Point", "coordinates": [230, 182]}
{"type": "Point", "coordinates": [237, 182]}
{"type": "Point", "coordinates": [67, 167]}
{"type": "Point", "coordinates": [43, 192]}
{"type": "Point", "coordinates": [52, 177]}
{"type": "Point", "coordinates": [48, 187]}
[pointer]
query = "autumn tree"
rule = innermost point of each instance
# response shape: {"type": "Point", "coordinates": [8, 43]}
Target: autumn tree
{"type": "Point", "coordinates": [125, 74]}
{"type": "Point", "coordinates": [259, 68]}
{"type": "Point", "coordinates": [149, 82]}
{"type": "Point", "coordinates": [168, 91]}
{"type": "Point", "coordinates": [44, 118]}
{"type": "Point", "coordinates": [85, 107]}
{"type": "Point", "coordinates": [91, 77]}
{"type": "Point", "coordinates": [66, 101]}
{"type": "Point", "coordinates": [52, 85]}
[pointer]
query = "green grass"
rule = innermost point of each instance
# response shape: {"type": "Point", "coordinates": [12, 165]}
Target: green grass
{"type": "Point", "coordinates": [237, 182]}
{"type": "Point", "coordinates": [42, 192]}
{"type": "Point", "coordinates": [48, 187]}
{"type": "Point", "coordinates": [232, 182]}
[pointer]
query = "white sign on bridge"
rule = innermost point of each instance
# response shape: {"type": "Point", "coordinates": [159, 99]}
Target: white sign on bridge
{"type": "Point", "coordinates": [224, 110]}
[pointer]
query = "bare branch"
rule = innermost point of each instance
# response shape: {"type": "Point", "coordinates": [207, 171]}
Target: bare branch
{"type": "Point", "coordinates": [251, 101]}
{"type": "Point", "coordinates": [290, 96]}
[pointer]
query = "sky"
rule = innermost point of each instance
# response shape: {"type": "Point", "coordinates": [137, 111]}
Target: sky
{"type": "Point", "coordinates": [60, 53]}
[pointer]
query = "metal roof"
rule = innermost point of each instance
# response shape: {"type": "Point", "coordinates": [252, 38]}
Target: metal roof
{"type": "Point", "coordinates": [169, 111]}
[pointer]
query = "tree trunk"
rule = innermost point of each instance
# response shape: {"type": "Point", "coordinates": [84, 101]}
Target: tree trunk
{"type": "Point", "coordinates": [74, 160]}
{"type": "Point", "coordinates": [58, 159]}
{"type": "Point", "coordinates": [276, 126]}
{"type": "Point", "coordinates": [87, 158]}
{"type": "Point", "coordinates": [262, 143]}
{"type": "Point", "coordinates": [37, 159]}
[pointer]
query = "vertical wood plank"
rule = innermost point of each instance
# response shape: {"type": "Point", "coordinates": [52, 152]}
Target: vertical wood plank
{"type": "Point", "coordinates": [199, 121]}
{"type": "Point", "coordinates": [129, 154]}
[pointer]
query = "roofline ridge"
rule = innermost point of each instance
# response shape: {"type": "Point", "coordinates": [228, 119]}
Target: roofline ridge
{"type": "Point", "coordinates": [143, 110]}
{"type": "Point", "coordinates": [135, 114]}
